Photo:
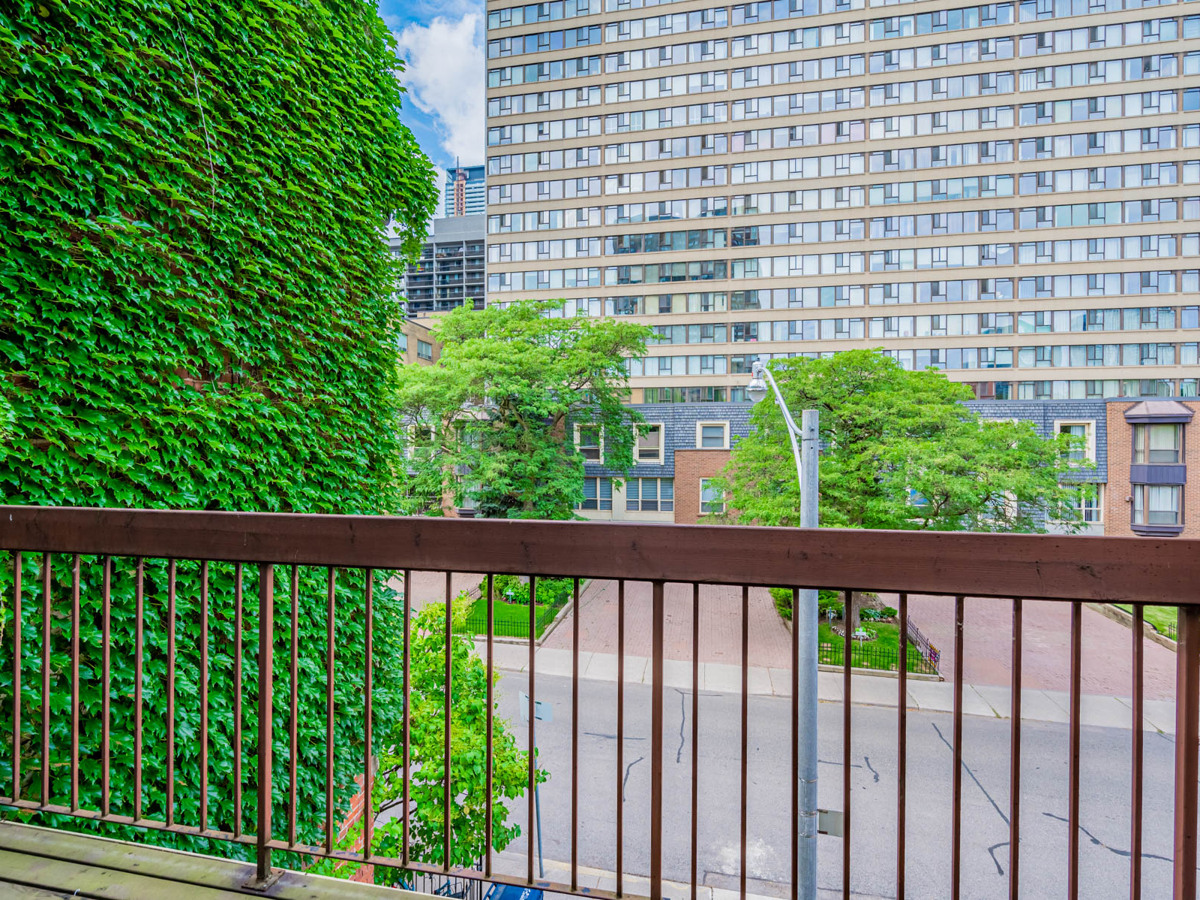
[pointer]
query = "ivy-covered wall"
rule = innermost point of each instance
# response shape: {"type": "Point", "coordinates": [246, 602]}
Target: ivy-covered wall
{"type": "Point", "coordinates": [195, 301]}
{"type": "Point", "coordinates": [196, 312]}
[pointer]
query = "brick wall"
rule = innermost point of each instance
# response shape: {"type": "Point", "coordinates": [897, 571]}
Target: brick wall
{"type": "Point", "coordinates": [1117, 510]}
{"type": "Point", "coordinates": [690, 467]}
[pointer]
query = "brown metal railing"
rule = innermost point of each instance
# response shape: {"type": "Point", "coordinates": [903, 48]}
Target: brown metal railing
{"type": "Point", "coordinates": [354, 550]}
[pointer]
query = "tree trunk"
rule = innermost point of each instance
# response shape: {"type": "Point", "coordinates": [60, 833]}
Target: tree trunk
{"type": "Point", "coordinates": [850, 615]}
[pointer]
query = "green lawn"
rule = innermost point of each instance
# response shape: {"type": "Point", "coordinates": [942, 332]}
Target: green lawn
{"type": "Point", "coordinates": [881, 653]}
{"type": "Point", "coordinates": [510, 619]}
{"type": "Point", "coordinates": [1164, 619]}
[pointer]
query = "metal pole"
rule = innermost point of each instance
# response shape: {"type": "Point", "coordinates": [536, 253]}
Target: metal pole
{"type": "Point", "coordinates": [805, 619]}
{"type": "Point", "coordinates": [537, 804]}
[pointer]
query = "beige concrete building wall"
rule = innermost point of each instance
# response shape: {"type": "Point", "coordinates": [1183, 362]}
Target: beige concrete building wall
{"type": "Point", "coordinates": [853, 262]}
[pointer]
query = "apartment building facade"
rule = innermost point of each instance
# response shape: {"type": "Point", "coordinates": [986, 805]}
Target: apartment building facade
{"type": "Point", "coordinates": [1007, 191]}
{"type": "Point", "coordinates": [450, 270]}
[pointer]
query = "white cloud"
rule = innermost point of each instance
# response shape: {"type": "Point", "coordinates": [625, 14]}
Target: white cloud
{"type": "Point", "coordinates": [444, 74]}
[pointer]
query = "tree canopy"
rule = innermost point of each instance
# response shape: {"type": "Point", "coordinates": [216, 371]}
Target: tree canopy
{"type": "Point", "coordinates": [494, 419]}
{"type": "Point", "coordinates": [468, 756]}
{"type": "Point", "coordinates": [899, 450]}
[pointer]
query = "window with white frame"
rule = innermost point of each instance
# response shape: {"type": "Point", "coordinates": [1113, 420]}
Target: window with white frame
{"type": "Point", "coordinates": [1083, 434]}
{"type": "Point", "coordinates": [589, 442]}
{"type": "Point", "coordinates": [1157, 504]}
{"type": "Point", "coordinates": [712, 501]}
{"type": "Point", "coordinates": [1087, 504]}
{"type": "Point", "coordinates": [650, 494]}
{"type": "Point", "coordinates": [420, 442]}
{"type": "Point", "coordinates": [650, 443]}
{"type": "Point", "coordinates": [597, 494]}
{"type": "Point", "coordinates": [712, 435]}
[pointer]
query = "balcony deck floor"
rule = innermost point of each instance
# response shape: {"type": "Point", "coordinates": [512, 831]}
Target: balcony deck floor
{"type": "Point", "coordinates": [43, 863]}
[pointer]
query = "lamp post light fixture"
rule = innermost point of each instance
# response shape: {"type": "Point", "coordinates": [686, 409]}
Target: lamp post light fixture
{"type": "Point", "coordinates": [805, 621]}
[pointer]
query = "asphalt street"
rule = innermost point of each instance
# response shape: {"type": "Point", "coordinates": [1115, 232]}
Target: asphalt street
{"type": "Point", "coordinates": [1105, 824]}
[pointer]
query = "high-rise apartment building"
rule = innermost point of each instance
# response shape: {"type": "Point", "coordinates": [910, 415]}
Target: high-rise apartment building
{"type": "Point", "coordinates": [1008, 191]}
{"type": "Point", "coordinates": [450, 270]}
{"type": "Point", "coordinates": [464, 193]}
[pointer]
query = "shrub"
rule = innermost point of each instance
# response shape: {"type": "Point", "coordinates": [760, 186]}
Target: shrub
{"type": "Point", "coordinates": [550, 591]}
{"type": "Point", "coordinates": [826, 600]}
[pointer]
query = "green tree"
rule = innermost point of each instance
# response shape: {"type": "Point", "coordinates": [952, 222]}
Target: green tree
{"type": "Point", "coordinates": [494, 419]}
{"type": "Point", "coordinates": [900, 450]}
{"type": "Point", "coordinates": [197, 311]}
{"type": "Point", "coordinates": [468, 757]}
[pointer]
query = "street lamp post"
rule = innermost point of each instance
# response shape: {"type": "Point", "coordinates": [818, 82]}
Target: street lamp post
{"type": "Point", "coordinates": [804, 619]}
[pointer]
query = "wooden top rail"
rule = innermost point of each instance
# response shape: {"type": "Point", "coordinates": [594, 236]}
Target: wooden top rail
{"type": "Point", "coordinates": [1125, 569]}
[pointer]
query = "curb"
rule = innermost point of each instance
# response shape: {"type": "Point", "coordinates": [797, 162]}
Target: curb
{"type": "Point", "coordinates": [1123, 618]}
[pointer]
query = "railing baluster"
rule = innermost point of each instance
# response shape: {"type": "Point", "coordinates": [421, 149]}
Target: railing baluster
{"type": "Point", "coordinates": [620, 733]}
{"type": "Point", "coordinates": [294, 706]}
{"type": "Point", "coordinates": [656, 745]}
{"type": "Point", "coordinates": [266, 685]}
{"type": "Point", "coordinates": [1135, 754]}
{"type": "Point", "coordinates": [1187, 736]}
{"type": "Point", "coordinates": [446, 685]}
{"type": "Point", "coordinates": [18, 562]}
{"type": "Point", "coordinates": [847, 652]}
{"type": "Point", "coordinates": [204, 695]}
{"type": "Point", "coordinates": [237, 699]}
{"type": "Point", "coordinates": [170, 811]}
{"type": "Point", "coordinates": [531, 797]}
{"type": "Point", "coordinates": [575, 735]}
{"type": "Point", "coordinates": [901, 745]}
{"type": "Point", "coordinates": [368, 688]}
{"type": "Point", "coordinates": [330, 656]}
{"type": "Point", "coordinates": [75, 683]}
{"type": "Point", "coordinates": [490, 750]}
{"type": "Point", "coordinates": [46, 635]}
{"type": "Point", "coordinates": [1014, 776]}
{"type": "Point", "coordinates": [139, 652]}
{"type": "Point", "coordinates": [956, 780]}
{"type": "Point", "coordinates": [745, 737]}
{"type": "Point", "coordinates": [695, 733]}
{"type": "Point", "coordinates": [1073, 756]}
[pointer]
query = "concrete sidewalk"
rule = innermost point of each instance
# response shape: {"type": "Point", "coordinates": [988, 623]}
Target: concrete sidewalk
{"type": "Point", "coordinates": [638, 885]}
{"type": "Point", "coordinates": [866, 690]}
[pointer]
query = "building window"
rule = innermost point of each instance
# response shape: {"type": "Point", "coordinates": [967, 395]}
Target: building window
{"type": "Point", "coordinates": [1088, 504]}
{"type": "Point", "coordinates": [712, 435]}
{"type": "Point", "coordinates": [650, 444]}
{"type": "Point", "coordinates": [1157, 504]}
{"type": "Point", "coordinates": [711, 500]}
{"type": "Point", "coordinates": [424, 349]}
{"type": "Point", "coordinates": [597, 493]}
{"type": "Point", "coordinates": [420, 442]}
{"type": "Point", "coordinates": [650, 495]}
{"type": "Point", "coordinates": [589, 443]}
{"type": "Point", "coordinates": [1157, 443]}
{"type": "Point", "coordinates": [1083, 433]}
{"type": "Point", "coordinates": [402, 342]}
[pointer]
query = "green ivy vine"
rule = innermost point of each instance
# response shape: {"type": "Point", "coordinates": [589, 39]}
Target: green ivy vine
{"type": "Point", "coordinates": [197, 312]}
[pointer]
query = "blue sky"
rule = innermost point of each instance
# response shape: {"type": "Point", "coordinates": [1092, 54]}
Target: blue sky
{"type": "Point", "coordinates": [441, 42]}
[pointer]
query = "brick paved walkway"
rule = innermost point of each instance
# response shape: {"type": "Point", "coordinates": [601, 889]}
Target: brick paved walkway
{"type": "Point", "coordinates": [1046, 664]}
{"type": "Point", "coordinates": [720, 624]}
